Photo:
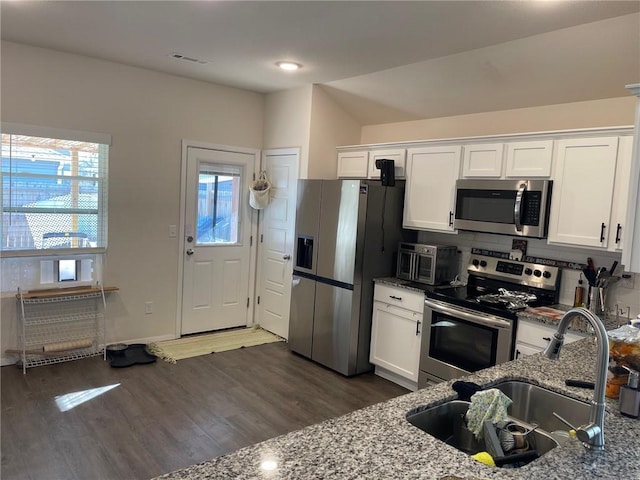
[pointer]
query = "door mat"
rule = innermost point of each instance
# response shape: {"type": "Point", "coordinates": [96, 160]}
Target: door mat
{"type": "Point", "coordinates": [193, 346]}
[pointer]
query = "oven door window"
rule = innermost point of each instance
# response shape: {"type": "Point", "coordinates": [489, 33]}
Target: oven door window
{"type": "Point", "coordinates": [466, 345]}
{"type": "Point", "coordinates": [404, 264]}
{"type": "Point", "coordinates": [425, 268]}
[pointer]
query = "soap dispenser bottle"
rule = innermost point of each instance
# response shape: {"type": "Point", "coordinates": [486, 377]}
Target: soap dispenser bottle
{"type": "Point", "coordinates": [630, 395]}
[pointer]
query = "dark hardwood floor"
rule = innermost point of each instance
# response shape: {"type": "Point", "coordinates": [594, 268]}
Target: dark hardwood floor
{"type": "Point", "coordinates": [162, 417]}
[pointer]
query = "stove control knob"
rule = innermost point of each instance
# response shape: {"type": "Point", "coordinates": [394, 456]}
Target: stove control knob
{"type": "Point", "coordinates": [483, 263]}
{"type": "Point", "coordinates": [537, 273]}
{"type": "Point", "coordinates": [546, 274]}
{"type": "Point", "coordinates": [475, 262]}
{"type": "Point", "coordinates": [528, 271]}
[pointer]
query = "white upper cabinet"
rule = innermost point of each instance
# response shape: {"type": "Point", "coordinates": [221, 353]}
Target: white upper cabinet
{"type": "Point", "coordinates": [353, 164]}
{"type": "Point", "coordinates": [529, 159]}
{"type": "Point", "coordinates": [398, 155]}
{"type": "Point", "coordinates": [483, 160]}
{"type": "Point", "coordinates": [584, 175]}
{"type": "Point", "coordinates": [621, 194]}
{"type": "Point", "coordinates": [430, 189]}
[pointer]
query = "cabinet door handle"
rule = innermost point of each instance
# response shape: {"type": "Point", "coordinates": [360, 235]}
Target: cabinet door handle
{"type": "Point", "coordinates": [450, 218]}
{"type": "Point", "coordinates": [395, 298]}
{"type": "Point", "coordinates": [418, 327]}
{"type": "Point", "coordinates": [618, 229]}
{"type": "Point", "coordinates": [602, 227]}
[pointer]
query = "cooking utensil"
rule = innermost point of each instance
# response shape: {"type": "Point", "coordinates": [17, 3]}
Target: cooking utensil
{"type": "Point", "coordinates": [590, 275]}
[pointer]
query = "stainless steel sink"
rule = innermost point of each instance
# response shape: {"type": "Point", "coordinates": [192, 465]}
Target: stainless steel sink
{"type": "Point", "coordinates": [535, 405]}
{"type": "Point", "coordinates": [532, 405]}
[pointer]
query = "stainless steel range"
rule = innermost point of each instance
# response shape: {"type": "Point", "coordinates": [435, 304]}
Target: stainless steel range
{"type": "Point", "coordinates": [473, 327]}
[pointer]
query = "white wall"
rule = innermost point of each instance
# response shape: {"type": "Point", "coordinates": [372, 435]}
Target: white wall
{"type": "Point", "coordinates": [148, 114]}
{"type": "Point", "coordinates": [597, 113]}
{"type": "Point", "coordinates": [331, 126]}
{"type": "Point", "coordinates": [289, 125]}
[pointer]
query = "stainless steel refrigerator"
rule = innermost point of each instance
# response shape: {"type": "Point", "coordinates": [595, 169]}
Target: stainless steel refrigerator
{"type": "Point", "coordinates": [347, 233]}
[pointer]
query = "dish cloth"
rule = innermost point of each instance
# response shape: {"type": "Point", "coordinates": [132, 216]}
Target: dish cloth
{"type": "Point", "coordinates": [489, 404]}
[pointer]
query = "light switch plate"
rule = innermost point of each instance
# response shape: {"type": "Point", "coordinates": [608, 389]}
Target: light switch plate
{"type": "Point", "coordinates": [173, 231]}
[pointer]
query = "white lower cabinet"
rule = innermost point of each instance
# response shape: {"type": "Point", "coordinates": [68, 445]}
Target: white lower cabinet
{"type": "Point", "coordinates": [533, 337]}
{"type": "Point", "coordinates": [396, 333]}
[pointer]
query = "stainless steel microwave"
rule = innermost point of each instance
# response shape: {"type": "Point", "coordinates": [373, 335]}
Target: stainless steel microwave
{"type": "Point", "coordinates": [507, 207]}
{"type": "Point", "coordinates": [430, 264]}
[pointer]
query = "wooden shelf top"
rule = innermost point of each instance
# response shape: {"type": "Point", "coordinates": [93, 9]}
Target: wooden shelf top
{"type": "Point", "coordinates": [61, 292]}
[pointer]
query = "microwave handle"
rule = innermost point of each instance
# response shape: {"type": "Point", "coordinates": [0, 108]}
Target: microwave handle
{"type": "Point", "coordinates": [517, 208]}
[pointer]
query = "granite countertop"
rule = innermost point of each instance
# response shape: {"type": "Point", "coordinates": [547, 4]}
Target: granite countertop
{"type": "Point", "coordinates": [377, 441]}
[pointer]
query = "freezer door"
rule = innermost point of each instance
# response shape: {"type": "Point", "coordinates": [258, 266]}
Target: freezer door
{"type": "Point", "coordinates": [301, 315]}
{"type": "Point", "coordinates": [307, 221]}
{"type": "Point", "coordinates": [338, 229]}
{"type": "Point", "coordinates": [334, 329]}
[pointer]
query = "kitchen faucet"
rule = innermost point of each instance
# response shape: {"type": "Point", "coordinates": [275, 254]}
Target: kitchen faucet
{"type": "Point", "coordinates": [592, 434]}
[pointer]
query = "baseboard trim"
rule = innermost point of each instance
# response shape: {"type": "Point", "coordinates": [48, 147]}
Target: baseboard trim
{"type": "Point", "coordinates": [397, 379]}
{"type": "Point", "coordinates": [7, 360]}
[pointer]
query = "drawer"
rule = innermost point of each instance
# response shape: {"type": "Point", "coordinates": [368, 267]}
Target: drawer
{"type": "Point", "coordinates": [400, 297]}
{"type": "Point", "coordinates": [535, 333]}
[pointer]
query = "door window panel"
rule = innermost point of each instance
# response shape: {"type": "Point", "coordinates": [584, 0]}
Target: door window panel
{"type": "Point", "coordinates": [218, 219]}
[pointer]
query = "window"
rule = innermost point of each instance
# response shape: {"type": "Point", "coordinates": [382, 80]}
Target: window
{"type": "Point", "coordinates": [54, 192]}
{"type": "Point", "coordinates": [218, 204]}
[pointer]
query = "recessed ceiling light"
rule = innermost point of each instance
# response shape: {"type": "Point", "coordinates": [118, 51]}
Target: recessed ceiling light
{"type": "Point", "coordinates": [289, 66]}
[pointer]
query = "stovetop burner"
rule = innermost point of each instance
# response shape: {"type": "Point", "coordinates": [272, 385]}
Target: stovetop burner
{"type": "Point", "coordinates": [511, 300]}
{"type": "Point", "coordinates": [502, 287]}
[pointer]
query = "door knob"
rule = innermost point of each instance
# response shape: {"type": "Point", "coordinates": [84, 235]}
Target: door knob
{"type": "Point", "coordinates": [190, 252]}
{"type": "Point", "coordinates": [286, 257]}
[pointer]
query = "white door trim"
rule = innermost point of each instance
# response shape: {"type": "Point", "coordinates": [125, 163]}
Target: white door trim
{"type": "Point", "coordinates": [253, 220]}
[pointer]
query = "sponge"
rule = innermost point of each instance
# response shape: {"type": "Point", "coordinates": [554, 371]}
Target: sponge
{"type": "Point", "coordinates": [484, 457]}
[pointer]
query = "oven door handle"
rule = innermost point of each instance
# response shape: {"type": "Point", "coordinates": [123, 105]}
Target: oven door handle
{"type": "Point", "coordinates": [489, 321]}
{"type": "Point", "coordinates": [517, 208]}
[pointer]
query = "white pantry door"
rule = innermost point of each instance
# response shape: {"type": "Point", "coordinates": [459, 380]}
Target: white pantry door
{"type": "Point", "coordinates": [277, 229]}
{"type": "Point", "coordinates": [215, 285]}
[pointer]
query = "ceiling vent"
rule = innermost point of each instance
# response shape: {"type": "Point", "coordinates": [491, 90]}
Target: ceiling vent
{"type": "Point", "coordinates": [180, 56]}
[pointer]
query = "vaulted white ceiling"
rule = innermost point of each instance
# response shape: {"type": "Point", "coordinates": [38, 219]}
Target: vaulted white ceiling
{"type": "Point", "coordinates": [384, 61]}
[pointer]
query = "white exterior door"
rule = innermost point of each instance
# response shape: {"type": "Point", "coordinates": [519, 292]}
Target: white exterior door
{"type": "Point", "coordinates": [276, 232]}
{"type": "Point", "coordinates": [217, 243]}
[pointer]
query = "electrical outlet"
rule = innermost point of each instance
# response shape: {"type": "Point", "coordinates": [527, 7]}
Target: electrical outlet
{"type": "Point", "coordinates": [627, 280]}
{"type": "Point", "coordinates": [148, 308]}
